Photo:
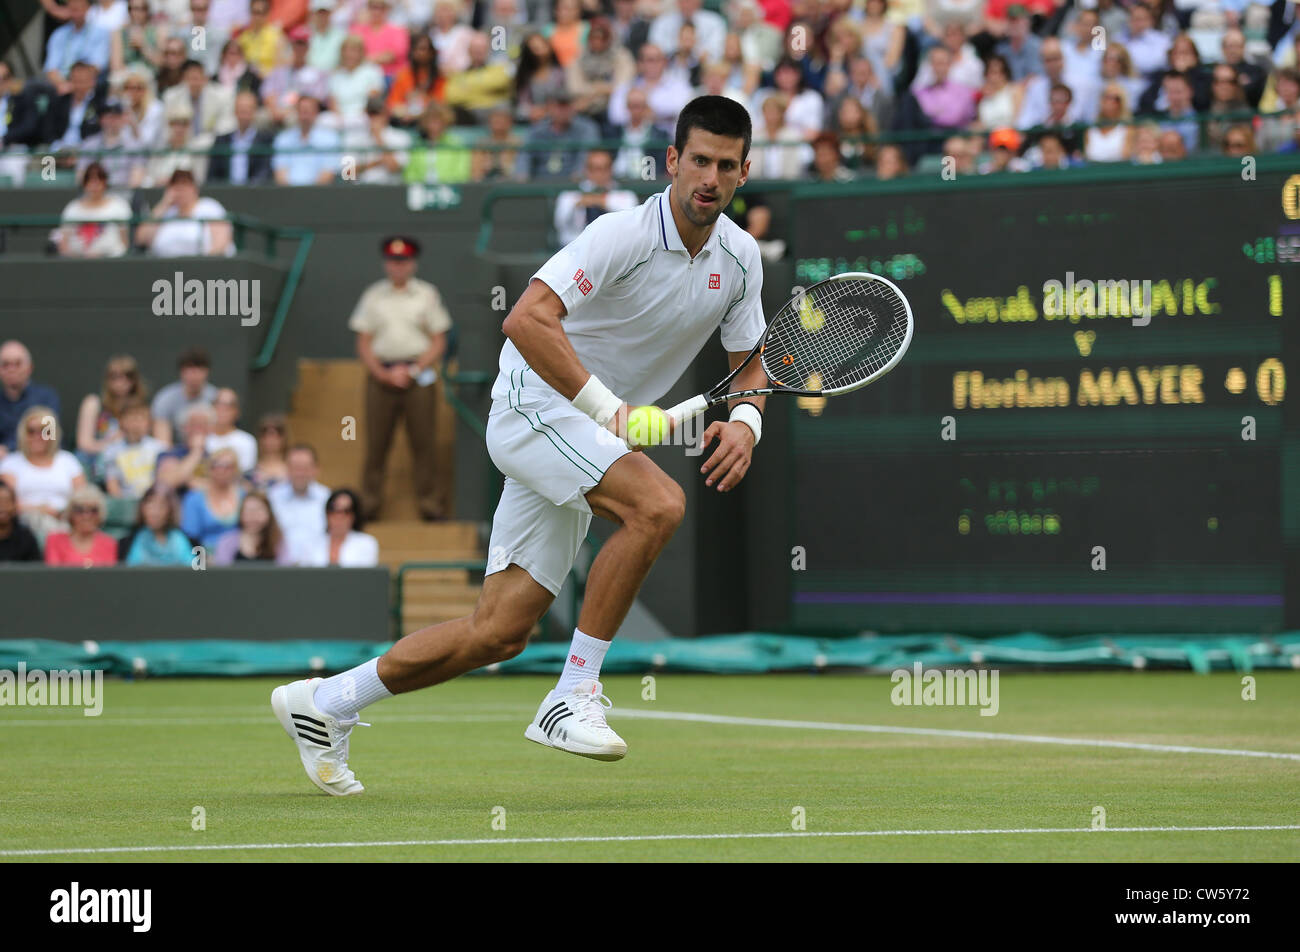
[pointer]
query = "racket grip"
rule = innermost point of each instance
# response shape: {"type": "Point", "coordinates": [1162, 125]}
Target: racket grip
{"type": "Point", "coordinates": [687, 409]}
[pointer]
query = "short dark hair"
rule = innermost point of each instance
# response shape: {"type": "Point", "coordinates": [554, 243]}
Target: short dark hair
{"type": "Point", "coordinates": [194, 357]}
{"type": "Point", "coordinates": [303, 448]}
{"type": "Point", "coordinates": [95, 169]}
{"type": "Point", "coordinates": [190, 64]}
{"type": "Point", "coordinates": [358, 521]}
{"type": "Point", "coordinates": [717, 114]}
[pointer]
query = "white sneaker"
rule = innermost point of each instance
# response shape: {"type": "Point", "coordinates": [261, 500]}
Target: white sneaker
{"type": "Point", "coordinates": [322, 740]}
{"type": "Point", "coordinates": [576, 722]}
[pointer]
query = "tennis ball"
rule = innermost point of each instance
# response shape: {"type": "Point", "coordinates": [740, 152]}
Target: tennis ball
{"type": "Point", "coordinates": [646, 426]}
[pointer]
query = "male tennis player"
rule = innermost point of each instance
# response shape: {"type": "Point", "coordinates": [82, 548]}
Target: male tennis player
{"type": "Point", "coordinates": [612, 320]}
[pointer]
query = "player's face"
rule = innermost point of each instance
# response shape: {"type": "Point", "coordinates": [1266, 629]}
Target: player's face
{"type": "Point", "coordinates": [707, 174]}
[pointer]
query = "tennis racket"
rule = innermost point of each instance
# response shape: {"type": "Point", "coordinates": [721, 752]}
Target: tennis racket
{"type": "Point", "coordinates": [836, 337]}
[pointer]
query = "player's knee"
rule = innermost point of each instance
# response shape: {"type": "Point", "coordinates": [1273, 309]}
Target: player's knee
{"type": "Point", "coordinates": [501, 635]}
{"type": "Point", "coordinates": [661, 511]}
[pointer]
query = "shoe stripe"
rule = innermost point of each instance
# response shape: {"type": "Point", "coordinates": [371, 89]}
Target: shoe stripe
{"type": "Point", "coordinates": [313, 731]}
{"type": "Point", "coordinates": [550, 730]}
{"type": "Point", "coordinates": [310, 720]}
{"type": "Point", "coordinates": [546, 718]}
{"type": "Point", "coordinates": [315, 740]}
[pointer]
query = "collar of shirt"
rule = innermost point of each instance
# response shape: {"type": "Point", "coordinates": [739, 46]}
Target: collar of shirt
{"type": "Point", "coordinates": [669, 237]}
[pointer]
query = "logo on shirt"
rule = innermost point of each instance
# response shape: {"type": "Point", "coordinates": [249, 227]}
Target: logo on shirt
{"type": "Point", "coordinates": [715, 282]}
{"type": "Point", "coordinates": [578, 276]}
{"type": "Point", "coordinates": [585, 287]}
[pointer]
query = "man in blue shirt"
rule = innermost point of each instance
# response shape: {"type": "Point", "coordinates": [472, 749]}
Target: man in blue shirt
{"type": "Point", "coordinates": [75, 41]}
{"type": "Point", "coordinates": [306, 154]}
{"type": "Point", "coordinates": [18, 393]}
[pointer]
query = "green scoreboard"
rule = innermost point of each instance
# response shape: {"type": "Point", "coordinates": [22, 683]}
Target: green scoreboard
{"type": "Point", "coordinates": [1091, 430]}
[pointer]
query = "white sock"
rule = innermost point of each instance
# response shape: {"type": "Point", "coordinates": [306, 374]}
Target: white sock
{"type": "Point", "coordinates": [344, 695]}
{"type": "Point", "coordinates": [585, 657]}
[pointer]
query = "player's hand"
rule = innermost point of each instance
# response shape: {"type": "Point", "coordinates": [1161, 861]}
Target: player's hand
{"type": "Point", "coordinates": [617, 425]}
{"type": "Point", "coordinates": [730, 461]}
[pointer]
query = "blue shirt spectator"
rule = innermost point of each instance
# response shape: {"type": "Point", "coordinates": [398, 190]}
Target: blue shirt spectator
{"type": "Point", "coordinates": [561, 125]}
{"type": "Point", "coordinates": [307, 153]}
{"type": "Point", "coordinates": [18, 393]}
{"type": "Point", "coordinates": [76, 41]}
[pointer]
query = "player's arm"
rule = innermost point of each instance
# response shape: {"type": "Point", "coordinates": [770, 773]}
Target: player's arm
{"type": "Point", "coordinates": [533, 326]}
{"type": "Point", "coordinates": [730, 460]}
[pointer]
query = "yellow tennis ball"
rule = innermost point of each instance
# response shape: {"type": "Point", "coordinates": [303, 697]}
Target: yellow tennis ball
{"type": "Point", "coordinates": [646, 426]}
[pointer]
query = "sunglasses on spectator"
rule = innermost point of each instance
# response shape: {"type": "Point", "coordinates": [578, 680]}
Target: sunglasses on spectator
{"type": "Point", "coordinates": [341, 511]}
{"type": "Point", "coordinates": [273, 429]}
{"type": "Point", "coordinates": [83, 511]}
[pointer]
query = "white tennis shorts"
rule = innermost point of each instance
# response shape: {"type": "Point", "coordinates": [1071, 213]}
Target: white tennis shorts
{"type": "Point", "coordinates": [551, 455]}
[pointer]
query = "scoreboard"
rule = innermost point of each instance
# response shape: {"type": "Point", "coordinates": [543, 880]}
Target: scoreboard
{"type": "Point", "coordinates": [1091, 430]}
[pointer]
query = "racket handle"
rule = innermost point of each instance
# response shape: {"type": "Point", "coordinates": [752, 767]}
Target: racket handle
{"type": "Point", "coordinates": [687, 409]}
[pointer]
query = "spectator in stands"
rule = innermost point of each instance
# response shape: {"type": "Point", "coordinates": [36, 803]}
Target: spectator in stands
{"type": "Point", "coordinates": [143, 111]}
{"type": "Point", "coordinates": [710, 29]}
{"type": "Point", "coordinates": [242, 157]}
{"type": "Point", "coordinates": [630, 28]}
{"type": "Point", "coordinates": [83, 545]}
{"type": "Point", "coordinates": [964, 66]}
{"type": "Point", "coordinates": [1036, 104]}
{"type": "Point", "coordinates": [1277, 130]}
{"type": "Point", "coordinates": [108, 15]}
{"type": "Point", "coordinates": [1146, 144]}
{"type": "Point", "coordinates": [739, 76]}
{"type": "Point", "coordinates": [282, 87]}
{"type": "Point", "coordinates": [76, 41]}
{"type": "Point", "coordinates": [570, 133]}
{"type": "Point", "coordinates": [1051, 152]}
{"type": "Point", "coordinates": [263, 40]}
{"type": "Point", "coordinates": [215, 36]}
{"type": "Point", "coordinates": [326, 38]}
{"type": "Point", "coordinates": [1117, 67]}
{"type": "Point", "coordinates": [386, 44]}
{"type": "Point", "coordinates": [17, 543]}
{"type": "Point", "coordinates": [42, 475]}
{"type": "Point", "coordinates": [306, 153]}
{"type": "Point", "coordinates": [566, 31]}
{"type": "Point", "coordinates": [805, 109]}
{"type": "Point", "coordinates": [344, 544]}
{"type": "Point", "coordinates": [1004, 148]}
{"type": "Point", "coordinates": [256, 539]}
{"type": "Point", "coordinates": [882, 39]}
{"type": "Point", "coordinates": [440, 156]}
{"type": "Point", "coordinates": [418, 83]}
{"type": "Point", "coordinates": [1146, 44]}
{"type": "Point", "coordinates": [450, 37]}
{"type": "Point", "coordinates": [597, 70]}
{"type": "Point", "coordinates": [499, 162]}
{"type": "Point", "coordinates": [1228, 98]}
{"type": "Point", "coordinates": [1239, 141]}
{"type": "Point", "coordinates": [172, 404]}
{"type": "Point", "coordinates": [185, 465]}
{"type": "Point", "coordinates": [272, 447]}
{"type": "Point", "coordinates": [212, 106]}
{"type": "Point", "coordinates": [1184, 59]}
{"type": "Point", "coordinates": [401, 327]}
{"type": "Point", "coordinates": [98, 418]}
{"type": "Point", "coordinates": [595, 195]}
{"type": "Point", "coordinates": [186, 223]}
{"type": "Point", "coordinates": [299, 502]}
{"type": "Point", "coordinates": [779, 152]}
{"type": "Point", "coordinates": [209, 513]}
{"type": "Point", "coordinates": [138, 43]}
{"type": "Point", "coordinates": [10, 90]}
{"type": "Point", "coordinates": [863, 83]}
{"type": "Point", "coordinates": [156, 538]}
{"type": "Point", "coordinates": [963, 151]}
{"type": "Point", "coordinates": [1251, 77]}
{"type": "Point", "coordinates": [999, 101]}
{"type": "Point", "coordinates": [115, 148]}
{"type": "Point", "coordinates": [178, 152]}
{"type": "Point", "coordinates": [891, 163]}
{"type": "Point", "coordinates": [945, 103]}
{"type": "Point", "coordinates": [235, 72]}
{"type": "Point", "coordinates": [74, 116]}
{"type": "Point", "coordinates": [714, 79]}
{"type": "Point", "coordinates": [225, 434]}
{"type": "Point", "coordinates": [509, 22]}
{"type": "Point", "coordinates": [1083, 54]}
{"type": "Point", "coordinates": [537, 78]}
{"type": "Point", "coordinates": [1111, 140]}
{"type": "Point", "coordinates": [94, 223]}
{"type": "Point", "coordinates": [1020, 47]}
{"type": "Point", "coordinates": [18, 394]}
{"type": "Point", "coordinates": [1180, 115]}
{"type": "Point", "coordinates": [828, 163]}
{"type": "Point", "coordinates": [855, 127]}
{"type": "Point", "coordinates": [353, 84]}
{"type": "Point", "coordinates": [130, 460]}
{"type": "Point", "coordinates": [639, 139]}
{"type": "Point", "coordinates": [666, 92]}
{"type": "Point", "coordinates": [1173, 147]}
{"type": "Point", "coordinates": [379, 151]}
{"type": "Point", "coordinates": [479, 88]}
{"type": "Point", "coordinates": [173, 58]}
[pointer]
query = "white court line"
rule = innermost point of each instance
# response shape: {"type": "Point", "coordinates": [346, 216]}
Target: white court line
{"type": "Point", "coordinates": [651, 837]}
{"type": "Point", "coordinates": [938, 732]}
{"type": "Point", "coordinates": [268, 718]}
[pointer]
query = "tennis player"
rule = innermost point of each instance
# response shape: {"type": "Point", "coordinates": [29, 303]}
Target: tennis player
{"type": "Point", "coordinates": [609, 323]}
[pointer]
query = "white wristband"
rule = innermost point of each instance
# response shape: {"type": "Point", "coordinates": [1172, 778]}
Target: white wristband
{"type": "Point", "coordinates": [597, 401]}
{"type": "Point", "coordinates": [748, 414]}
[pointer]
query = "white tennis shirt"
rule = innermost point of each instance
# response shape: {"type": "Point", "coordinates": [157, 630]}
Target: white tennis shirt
{"type": "Point", "coordinates": [640, 309]}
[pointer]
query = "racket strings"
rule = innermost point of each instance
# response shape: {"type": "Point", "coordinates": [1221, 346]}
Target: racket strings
{"type": "Point", "coordinates": [836, 335]}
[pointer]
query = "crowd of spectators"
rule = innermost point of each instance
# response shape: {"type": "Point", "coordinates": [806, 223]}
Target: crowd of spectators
{"type": "Point", "coordinates": [446, 91]}
{"type": "Point", "coordinates": [172, 475]}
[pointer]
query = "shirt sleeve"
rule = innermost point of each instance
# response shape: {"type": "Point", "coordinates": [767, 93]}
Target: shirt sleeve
{"type": "Point", "coordinates": [599, 256]}
{"type": "Point", "coordinates": [362, 319]}
{"type": "Point", "coordinates": [744, 323]}
{"type": "Point", "coordinates": [436, 318]}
